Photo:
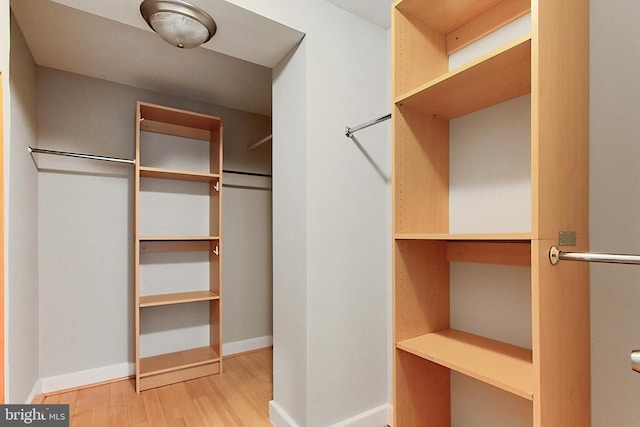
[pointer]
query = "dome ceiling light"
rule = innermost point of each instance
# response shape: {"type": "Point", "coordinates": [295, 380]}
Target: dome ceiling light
{"type": "Point", "coordinates": [179, 23]}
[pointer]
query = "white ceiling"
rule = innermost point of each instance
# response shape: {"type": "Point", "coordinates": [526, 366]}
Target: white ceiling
{"type": "Point", "coordinates": [109, 40]}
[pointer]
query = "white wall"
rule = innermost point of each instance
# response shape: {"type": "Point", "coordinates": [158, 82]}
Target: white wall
{"type": "Point", "coordinates": [290, 241]}
{"type": "Point", "coordinates": [86, 221]}
{"type": "Point", "coordinates": [614, 209]}
{"type": "Point", "coordinates": [22, 232]}
{"type": "Point", "coordinates": [332, 225]}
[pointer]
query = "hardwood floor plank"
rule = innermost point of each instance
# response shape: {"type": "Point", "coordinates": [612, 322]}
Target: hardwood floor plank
{"type": "Point", "coordinates": [218, 400]}
{"type": "Point", "coordinates": [118, 404]}
{"type": "Point", "coordinates": [170, 408]}
{"type": "Point", "coordinates": [239, 397]}
{"type": "Point", "coordinates": [153, 408]}
{"type": "Point", "coordinates": [135, 406]}
{"type": "Point", "coordinates": [190, 413]}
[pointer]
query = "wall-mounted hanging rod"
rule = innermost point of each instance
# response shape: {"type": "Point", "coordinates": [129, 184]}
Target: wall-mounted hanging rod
{"type": "Point", "coordinates": [259, 143]}
{"type": "Point", "coordinates": [348, 131]}
{"type": "Point", "coordinates": [555, 255]}
{"type": "Point", "coordinates": [82, 156]}
{"type": "Point", "coordinates": [266, 175]}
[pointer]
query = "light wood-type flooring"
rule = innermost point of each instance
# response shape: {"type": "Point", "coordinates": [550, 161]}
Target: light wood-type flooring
{"type": "Point", "coordinates": [238, 397]}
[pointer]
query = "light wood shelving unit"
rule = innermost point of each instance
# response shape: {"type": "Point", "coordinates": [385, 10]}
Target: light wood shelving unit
{"type": "Point", "coordinates": [550, 64]}
{"type": "Point", "coordinates": [161, 369]}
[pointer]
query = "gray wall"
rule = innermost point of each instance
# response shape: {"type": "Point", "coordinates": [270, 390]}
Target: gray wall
{"type": "Point", "coordinates": [86, 221]}
{"type": "Point", "coordinates": [614, 209]}
{"type": "Point", "coordinates": [21, 299]}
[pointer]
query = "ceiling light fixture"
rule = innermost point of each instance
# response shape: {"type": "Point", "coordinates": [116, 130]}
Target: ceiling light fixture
{"type": "Point", "coordinates": [179, 23]}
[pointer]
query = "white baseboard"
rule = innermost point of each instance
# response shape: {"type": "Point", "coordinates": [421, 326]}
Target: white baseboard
{"type": "Point", "coordinates": [246, 345]}
{"type": "Point", "coordinates": [279, 417]}
{"type": "Point", "coordinates": [37, 389]}
{"type": "Point", "coordinates": [121, 370]}
{"type": "Point", "coordinates": [376, 417]}
{"type": "Point", "coordinates": [89, 376]}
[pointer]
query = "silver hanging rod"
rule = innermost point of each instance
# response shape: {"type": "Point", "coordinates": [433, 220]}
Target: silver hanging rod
{"type": "Point", "coordinates": [246, 173]}
{"type": "Point", "coordinates": [555, 255]}
{"type": "Point", "coordinates": [82, 156]}
{"type": "Point", "coordinates": [259, 143]}
{"type": "Point", "coordinates": [348, 131]}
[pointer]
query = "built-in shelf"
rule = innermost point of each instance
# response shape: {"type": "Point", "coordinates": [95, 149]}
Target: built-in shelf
{"type": "Point", "coordinates": [177, 298]}
{"type": "Point", "coordinates": [552, 65]}
{"type": "Point", "coordinates": [496, 77]}
{"type": "Point", "coordinates": [183, 132]}
{"type": "Point", "coordinates": [150, 172]}
{"type": "Point", "coordinates": [502, 365]}
{"type": "Point", "coordinates": [176, 361]}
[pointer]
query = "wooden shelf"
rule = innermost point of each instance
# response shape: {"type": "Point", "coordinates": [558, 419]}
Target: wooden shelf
{"type": "Point", "coordinates": [177, 238]}
{"type": "Point", "coordinates": [502, 365]}
{"type": "Point", "coordinates": [176, 361]}
{"type": "Point", "coordinates": [149, 172]}
{"type": "Point", "coordinates": [171, 121]}
{"type": "Point", "coordinates": [496, 77]}
{"type": "Point", "coordinates": [177, 298]}
{"type": "Point", "coordinates": [465, 236]}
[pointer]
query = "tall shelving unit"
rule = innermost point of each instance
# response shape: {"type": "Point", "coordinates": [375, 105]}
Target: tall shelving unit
{"type": "Point", "coordinates": [550, 64]}
{"type": "Point", "coordinates": [180, 131]}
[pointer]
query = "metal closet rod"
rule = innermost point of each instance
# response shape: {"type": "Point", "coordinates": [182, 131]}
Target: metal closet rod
{"type": "Point", "coordinates": [348, 131]}
{"type": "Point", "coordinates": [82, 156]}
{"type": "Point", "coordinates": [120, 160]}
{"type": "Point", "coordinates": [259, 143]}
{"type": "Point", "coordinates": [266, 175]}
{"type": "Point", "coordinates": [556, 255]}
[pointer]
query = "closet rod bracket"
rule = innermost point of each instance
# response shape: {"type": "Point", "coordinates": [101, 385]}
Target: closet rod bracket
{"type": "Point", "coordinates": [554, 255]}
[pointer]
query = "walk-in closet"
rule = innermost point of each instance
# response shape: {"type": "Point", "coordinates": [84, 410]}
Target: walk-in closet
{"type": "Point", "coordinates": [147, 169]}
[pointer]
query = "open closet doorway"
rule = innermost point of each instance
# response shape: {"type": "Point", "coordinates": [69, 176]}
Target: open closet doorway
{"type": "Point", "coordinates": [88, 67]}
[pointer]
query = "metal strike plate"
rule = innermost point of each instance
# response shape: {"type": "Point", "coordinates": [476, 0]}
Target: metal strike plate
{"type": "Point", "coordinates": [567, 238]}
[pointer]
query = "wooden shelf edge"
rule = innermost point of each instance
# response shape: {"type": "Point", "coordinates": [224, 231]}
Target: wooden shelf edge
{"type": "Point", "coordinates": [465, 236]}
{"type": "Point", "coordinates": [176, 361]}
{"type": "Point", "coordinates": [177, 238]}
{"type": "Point", "coordinates": [502, 365]}
{"type": "Point", "coordinates": [177, 298]}
{"type": "Point", "coordinates": [160, 173]}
